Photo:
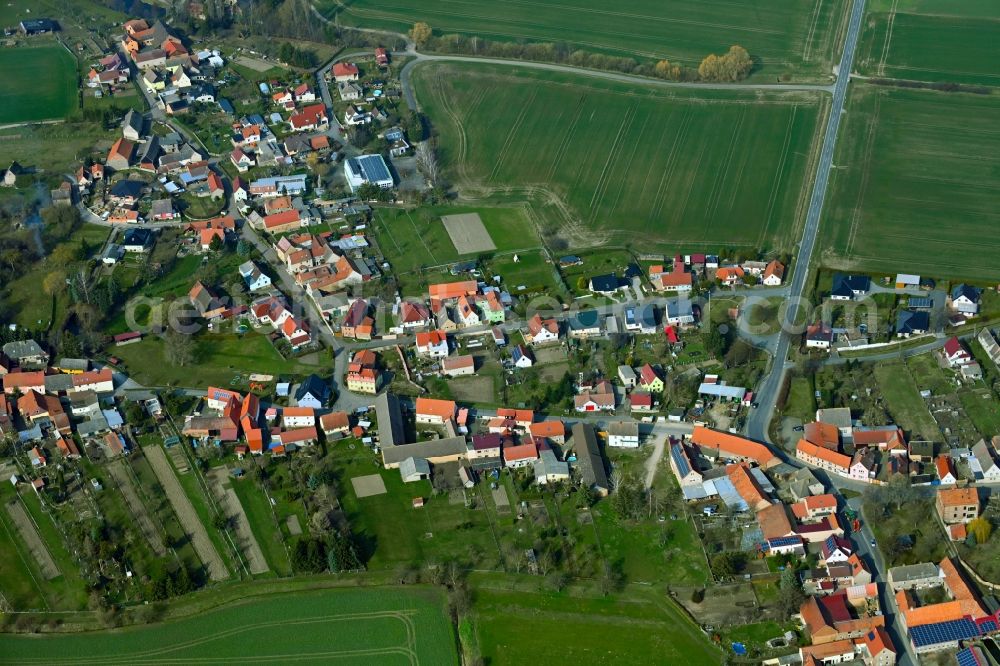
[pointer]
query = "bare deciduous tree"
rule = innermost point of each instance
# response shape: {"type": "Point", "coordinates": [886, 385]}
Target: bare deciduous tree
{"type": "Point", "coordinates": [428, 164]}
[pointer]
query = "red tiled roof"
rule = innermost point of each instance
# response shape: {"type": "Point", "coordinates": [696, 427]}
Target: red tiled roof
{"type": "Point", "coordinates": [444, 409]}
{"type": "Point", "coordinates": [734, 445]}
{"type": "Point", "coordinates": [549, 429]}
{"type": "Point", "coordinates": [833, 457]}
{"type": "Point", "coordinates": [345, 69]}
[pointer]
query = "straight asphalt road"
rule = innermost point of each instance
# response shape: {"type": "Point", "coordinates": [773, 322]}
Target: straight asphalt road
{"type": "Point", "coordinates": [767, 392]}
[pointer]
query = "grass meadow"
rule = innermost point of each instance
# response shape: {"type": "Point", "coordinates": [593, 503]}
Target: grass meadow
{"type": "Point", "coordinates": [587, 630]}
{"type": "Point", "coordinates": [784, 36]}
{"type": "Point", "coordinates": [931, 41]}
{"type": "Point", "coordinates": [36, 83]}
{"type": "Point", "coordinates": [345, 626]}
{"type": "Point", "coordinates": [415, 241]}
{"type": "Point", "coordinates": [914, 186]}
{"type": "Point", "coordinates": [676, 169]}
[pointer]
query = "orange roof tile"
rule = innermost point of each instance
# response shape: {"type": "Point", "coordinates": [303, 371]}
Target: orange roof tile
{"type": "Point", "coordinates": [734, 445]}
{"type": "Point", "coordinates": [774, 522]}
{"type": "Point", "coordinates": [826, 435]}
{"type": "Point", "coordinates": [444, 409]}
{"type": "Point", "coordinates": [547, 429]}
{"type": "Point", "coordinates": [958, 496]}
{"type": "Point", "coordinates": [747, 486]}
{"type": "Point", "coordinates": [810, 449]}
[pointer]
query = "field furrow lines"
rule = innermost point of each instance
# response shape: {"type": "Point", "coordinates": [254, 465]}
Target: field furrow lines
{"type": "Point", "coordinates": [567, 139]}
{"type": "Point", "coordinates": [668, 168]}
{"type": "Point", "coordinates": [865, 175]}
{"type": "Point", "coordinates": [721, 177]}
{"type": "Point", "coordinates": [512, 134]}
{"type": "Point", "coordinates": [778, 177]}
{"type": "Point", "coordinates": [807, 49]}
{"type": "Point", "coordinates": [890, 21]}
{"type": "Point", "coordinates": [622, 183]}
{"type": "Point", "coordinates": [602, 181]}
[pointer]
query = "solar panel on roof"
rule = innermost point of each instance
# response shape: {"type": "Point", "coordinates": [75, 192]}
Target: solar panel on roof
{"type": "Point", "coordinates": [680, 460]}
{"type": "Point", "coordinates": [967, 657]}
{"type": "Point", "coordinates": [943, 632]}
{"type": "Point", "coordinates": [374, 168]}
{"type": "Point", "coordinates": [784, 541]}
{"type": "Point", "coordinates": [989, 625]}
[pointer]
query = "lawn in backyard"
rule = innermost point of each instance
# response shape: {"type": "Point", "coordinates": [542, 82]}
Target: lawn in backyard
{"type": "Point", "coordinates": [660, 169]}
{"type": "Point", "coordinates": [532, 271]}
{"type": "Point", "coordinates": [31, 307]}
{"type": "Point", "coordinates": [348, 626]}
{"type": "Point", "coordinates": [219, 357]}
{"type": "Point", "coordinates": [262, 522]}
{"type": "Point", "coordinates": [787, 37]}
{"type": "Point", "coordinates": [417, 246]}
{"type": "Point", "coordinates": [916, 169]}
{"type": "Point", "coordinates": [414, 238]}
{"type": "Point", "coordinates": [904, 403]}
{"type": "Point", "coordinates": [36, 83]}
{"type": "Point", "coordinates": [925, 40]}
{"type": "Point", "coordinates": [392, 532]}
{"type": "Point", "coordinates": [596, 629]}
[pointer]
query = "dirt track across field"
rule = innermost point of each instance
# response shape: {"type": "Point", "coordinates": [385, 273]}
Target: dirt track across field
{"type": "Point", "coordinates": [233, 508]}
{"type": "Point", "coordinates": [135, 505]}
{"type": "Point", "coordinates": [186, 514]}
{"type": "Point", "coordinates": [33, 540]}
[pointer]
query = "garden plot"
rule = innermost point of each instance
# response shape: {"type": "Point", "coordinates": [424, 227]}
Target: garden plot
{"type": "Point", "coordinates": [233, 509]}
{"type": "Point", "coordinates": [368, 486]}
{"type": "Point", "coordinates": [124, 482]}
{"type": "Point", "coordinates": [186, 513]}
{"type": "Point", "coordinates": [29, 533]}
{"type": "Point", "coordinates": [468, 234]}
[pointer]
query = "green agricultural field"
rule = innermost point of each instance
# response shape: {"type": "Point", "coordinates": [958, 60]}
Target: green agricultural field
{"type": "Point", "coordinates": [36, 83]}
{"type": "Point", "coordinates": [346, 626]}
{"type": "Point", "coordinates": [691, 169]}
{"type": "Point", "coordinates": [595, 630]}
{"type": "Point", "coordinates": [915, 187]}
{"type": "Point", "coordinates": [784, 36]}
{"type": "Point", "coordinates": [931, 41]}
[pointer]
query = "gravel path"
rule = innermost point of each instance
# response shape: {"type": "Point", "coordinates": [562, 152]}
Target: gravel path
{"type": "Point", "coordinates": [186, 514]}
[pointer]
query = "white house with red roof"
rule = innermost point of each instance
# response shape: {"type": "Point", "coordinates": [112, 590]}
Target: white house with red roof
{"type": "Point", "coordinates": [345, 71]}
{"type": "Point", "coordinates": [956, 354]}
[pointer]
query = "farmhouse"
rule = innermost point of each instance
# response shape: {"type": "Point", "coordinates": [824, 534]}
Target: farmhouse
{"type": "Point", "coordinates": [458, 366]}
{"type": "Point", "coordinates": [727, 446]}
{"type": "Point", "coordinates": [589, 459]}
{"type": "Point", "coordinates": [433, 344]}
{"type": "Point", "coordinates": [623, 434]}
{"type": "Point", "coordinates": [430, 410]}
{"type": "Point", "coordinates": [345, 71]}
{"type": "Point", "coordinates": [774, 273]}
{"type": "Point", "coordinates": [957, 505]}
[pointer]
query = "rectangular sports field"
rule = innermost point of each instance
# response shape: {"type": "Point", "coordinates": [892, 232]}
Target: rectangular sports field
{"type": "Point", "coordinates": [664, 168]}
{"type": "Point", "coordinates": [915, 184]}
{"type": "Point", "coordinates": [785, 36]}
{"type": "Point", "coordinates": [343, 626]}
{"type": "Point", "coordinates": [36, 83]}
{"type": "Point", "coordinates": [927, 40]}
